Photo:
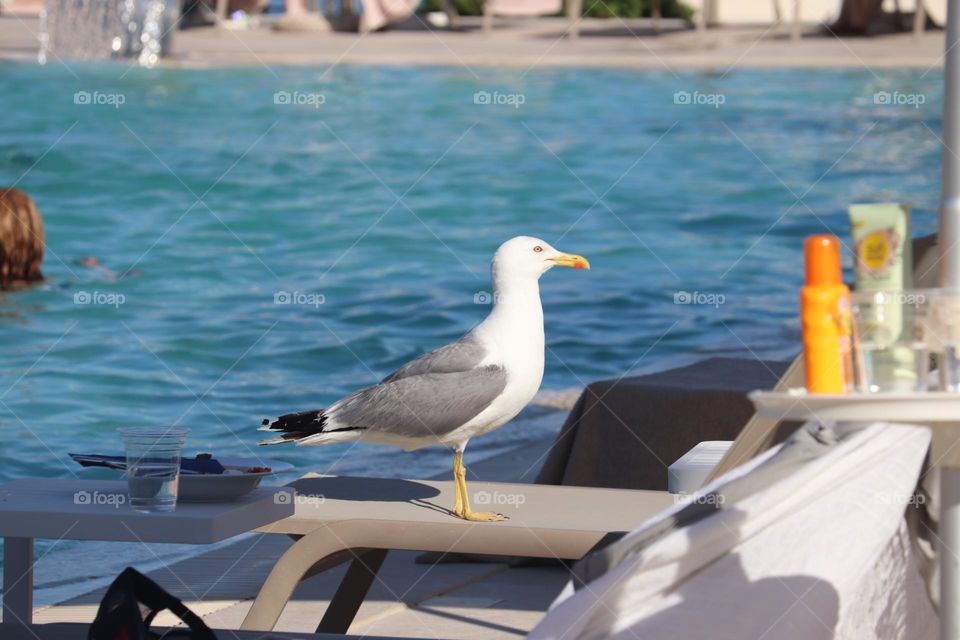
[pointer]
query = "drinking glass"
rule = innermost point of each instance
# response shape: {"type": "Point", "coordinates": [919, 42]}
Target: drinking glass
{"type": "Point", "coordinates": [890, 347]}
{"type": "Point", "coordinates": [943, 335]}
{"type": "Point", "coordinates": [153, 466]}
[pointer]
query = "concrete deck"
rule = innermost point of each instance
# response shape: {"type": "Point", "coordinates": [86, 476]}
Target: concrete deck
{"type": "Point", "coordinates": [529, 43]}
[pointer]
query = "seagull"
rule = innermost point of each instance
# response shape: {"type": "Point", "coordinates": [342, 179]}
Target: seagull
{"type": "Point", "coordinates": [458, 391]}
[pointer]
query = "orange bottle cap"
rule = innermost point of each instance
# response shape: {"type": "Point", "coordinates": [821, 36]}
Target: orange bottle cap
{"type": "Point", "coordinates": [821, 255]}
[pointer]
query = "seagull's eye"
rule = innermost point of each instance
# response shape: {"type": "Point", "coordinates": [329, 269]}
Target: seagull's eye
{"type": "Point", "coordinates": [538, 249]}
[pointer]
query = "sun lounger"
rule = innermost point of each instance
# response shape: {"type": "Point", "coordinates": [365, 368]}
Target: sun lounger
{"type": "Point", "coordinates": [805, 541]}
{"type": "Point", "coordinates": [339, 519]}
{"type": "Point", "coordinates": [493, 8]}
{"type": "Point", "coordinates": [639, 425]}
{"type": "Point", "coordinates": [358, 519]}
{"type": "Point", "coordinates": [343, 518]}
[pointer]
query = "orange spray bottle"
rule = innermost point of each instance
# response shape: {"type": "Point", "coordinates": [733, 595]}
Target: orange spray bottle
{"type": "Point", "coordinates": [825, 316]}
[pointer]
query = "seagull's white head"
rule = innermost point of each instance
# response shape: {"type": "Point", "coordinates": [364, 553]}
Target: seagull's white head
{"type": "Point", "coordinates": [526, 257]}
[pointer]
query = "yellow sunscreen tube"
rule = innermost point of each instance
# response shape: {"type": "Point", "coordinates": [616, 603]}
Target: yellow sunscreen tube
{"type": "Point", "coordinates": [883, 261]}
{"type": "Point", "coordinates": [881, 246]}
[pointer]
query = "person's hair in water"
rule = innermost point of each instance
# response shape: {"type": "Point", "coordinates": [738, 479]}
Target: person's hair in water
{"type": "Point", "coordinates": [21, 239]}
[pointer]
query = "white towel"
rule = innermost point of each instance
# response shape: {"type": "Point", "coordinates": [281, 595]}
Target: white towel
{"type": "Point", "coordinates": [823, 553]}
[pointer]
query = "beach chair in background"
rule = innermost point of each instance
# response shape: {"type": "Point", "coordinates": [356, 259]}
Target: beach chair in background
{"type": "Point", "coordinates": [526, 8]}
{"type": "Point", "coordinates": [706, 11]}
{"type": "Point", "coordinates": [574, 11]}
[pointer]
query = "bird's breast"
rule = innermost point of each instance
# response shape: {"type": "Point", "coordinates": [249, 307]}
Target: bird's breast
{"type": "Point", "coordinates": [524, 362]}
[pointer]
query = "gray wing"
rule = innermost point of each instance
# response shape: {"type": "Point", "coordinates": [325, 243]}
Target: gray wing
{"type": "Point", "coordinates": [421, 406]}
{"type": "Point", "coordinates": [462, 355]}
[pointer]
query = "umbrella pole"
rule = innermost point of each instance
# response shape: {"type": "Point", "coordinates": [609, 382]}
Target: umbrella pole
{"type": "Point", "coordinates": [949, 236]}
{"type": "Point", "coordinates": [949, 276]}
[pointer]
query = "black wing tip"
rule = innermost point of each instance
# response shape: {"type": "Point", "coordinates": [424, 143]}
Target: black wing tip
{"type": "Point", "coordinates": [306, 422]}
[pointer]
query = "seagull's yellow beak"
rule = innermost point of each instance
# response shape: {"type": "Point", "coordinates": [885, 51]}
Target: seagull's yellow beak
{"type": "Point", "coordinates": [570, 260]}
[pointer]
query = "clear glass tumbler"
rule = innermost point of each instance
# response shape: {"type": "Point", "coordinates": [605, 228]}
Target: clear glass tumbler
{"type": "Point", "coordinates": [153, 466]}
{"type": "Point", "coordinates": [890, 341]}
{"type": "Point", "coordinates": [943, 331]}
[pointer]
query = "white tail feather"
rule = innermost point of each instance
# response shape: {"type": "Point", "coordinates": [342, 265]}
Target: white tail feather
{"type": "Point", "coordinates": [330, 437]}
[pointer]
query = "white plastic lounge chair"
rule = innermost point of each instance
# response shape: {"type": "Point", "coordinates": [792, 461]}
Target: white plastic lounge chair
{"type": "Point", "coordinates": [493, 8]}
{"type": "Point", "coordinates": [359, 519]}
{"type": "Point", "coordinates": [807, 541]}
{"type": "Point", "coordinates": [378, 13]}
{"type": "Point", "coordinates": [362, 518]}
{"type": "Point", "coordinates": [574, 9]}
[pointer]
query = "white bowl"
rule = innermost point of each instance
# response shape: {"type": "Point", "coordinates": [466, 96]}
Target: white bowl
{"type": "Point", "coordinates": [213, 487]}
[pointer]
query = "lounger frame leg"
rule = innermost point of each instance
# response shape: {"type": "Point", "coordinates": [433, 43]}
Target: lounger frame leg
{"type": "Point", "coordinates": [919, 19]}
{"type": "Point", "coordinates": [758, 433]}
{"type": "Point", "coordinates": [18, 581]}
{"type": "Point", "coordinates": [701, 17]}
{"type": "Point", "coordinates": [221, 13]}
{"type": "Point", "coordinates": [352, 592]}
{"type": "Point", "coordinates": [302, 560]}
{"type": "Point", "coordinates": [452, 14]}
{"type": "Point", "coordinates": [796, 32]}
{"type": "Point", "coordinates": [574, 16]}
{"type": "Point", "coordinates": [329, 541]}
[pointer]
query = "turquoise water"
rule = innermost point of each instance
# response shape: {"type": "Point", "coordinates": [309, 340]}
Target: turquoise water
{"type": "Point", "coordinates": [216, 199]}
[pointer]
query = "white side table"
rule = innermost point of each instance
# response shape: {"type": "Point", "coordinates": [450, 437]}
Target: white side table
{"type": "Point", "coordinates": [936, 409]}
{"type": "Point", "coordinates": [98, 510]}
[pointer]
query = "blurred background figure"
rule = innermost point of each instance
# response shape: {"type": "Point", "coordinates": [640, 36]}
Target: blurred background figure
{"type": "Point", "coordinates": [298, 18]}
{"type": "Point", "coordinates": [21, 239]}
{"type": "Point", "coordinates": [203, 13]}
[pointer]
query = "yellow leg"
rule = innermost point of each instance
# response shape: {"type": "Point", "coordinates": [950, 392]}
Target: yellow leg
{"type": "Point", "coordinates": [461, 503]}
{"type": "Point", "coordinates": [458, 496]}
